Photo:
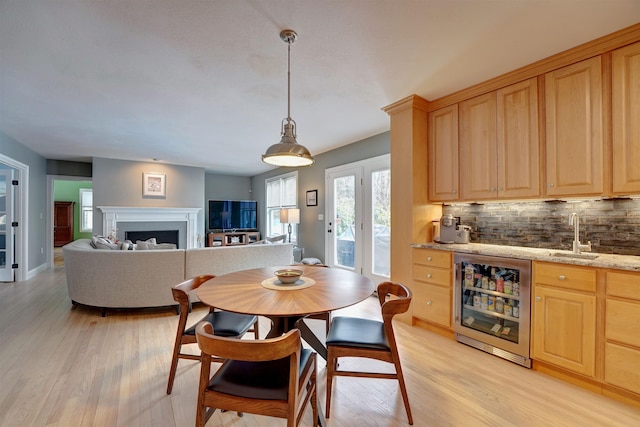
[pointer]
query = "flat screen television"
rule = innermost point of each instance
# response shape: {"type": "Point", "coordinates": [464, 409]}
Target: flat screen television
{"type": "Point", "coordinates": [233, 215]}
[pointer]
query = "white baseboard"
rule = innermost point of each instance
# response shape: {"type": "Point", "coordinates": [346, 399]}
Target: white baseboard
{"type": "Point", "coordinates": [33, 273]}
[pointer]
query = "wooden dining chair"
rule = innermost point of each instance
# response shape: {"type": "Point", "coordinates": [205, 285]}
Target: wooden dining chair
{"type": "Point", "coordinates": [227, 324]}
{"type": "Point", "coordinates": [274, 377]}
{"type": "Point", "coordinates": [356, 337]}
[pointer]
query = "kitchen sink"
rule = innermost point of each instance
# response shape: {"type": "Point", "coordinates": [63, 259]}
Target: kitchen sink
{"type": "Point", "coordinates": [572, 255]}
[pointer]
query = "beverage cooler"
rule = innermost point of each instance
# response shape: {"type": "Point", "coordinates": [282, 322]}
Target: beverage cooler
{"type": "Point", "coordinates": [492, 305]}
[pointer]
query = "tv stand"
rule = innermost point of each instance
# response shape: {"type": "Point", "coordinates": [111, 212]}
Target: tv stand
{"type": "Point", "coordinates": [232, 238]}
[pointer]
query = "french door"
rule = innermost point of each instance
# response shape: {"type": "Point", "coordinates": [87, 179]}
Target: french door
{"type": "Point", "coordinates": [358, 217]}
{"type": "Point", "coordinates": [6, 230]}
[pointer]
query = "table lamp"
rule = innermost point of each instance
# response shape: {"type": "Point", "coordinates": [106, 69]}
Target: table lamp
{"type": "Point", "coordinates": [290, 216]}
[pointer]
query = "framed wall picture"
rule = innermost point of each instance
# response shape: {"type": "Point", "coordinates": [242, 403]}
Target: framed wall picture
{"type": "Point", "coordinates": [154, 185]}
{"type": "Point", "coordinates": [312, 198]}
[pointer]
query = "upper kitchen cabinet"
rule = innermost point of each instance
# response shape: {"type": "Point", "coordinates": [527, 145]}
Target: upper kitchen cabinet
{"type": "Point", "coordinates": [443, 154]}
{"type": "Point", "coordinates": [499, 144]}
{"type": "Point", "coordinates": [626, 125]}
{"type": "Point", "coordinates": [518, 143]}
{"type": "Point", "coordinates": [478, 156]}
{"type": "Point", "coordinates": [574, 144]}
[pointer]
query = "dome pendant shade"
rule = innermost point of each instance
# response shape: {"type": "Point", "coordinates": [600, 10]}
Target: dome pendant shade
{"type": "Point", "coordinates": [288, 152]}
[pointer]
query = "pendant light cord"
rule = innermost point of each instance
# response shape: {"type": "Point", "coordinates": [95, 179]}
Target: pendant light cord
{"type": "Point", "coordinates": [289, 81]}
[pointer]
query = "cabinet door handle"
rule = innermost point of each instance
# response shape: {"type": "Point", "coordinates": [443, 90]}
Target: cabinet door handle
{"type": "Point", "coordinates": [428, 258]}
{"type": "Point", "coordinates": [562, 277]}
{"type": "Point", "coordinates": [428, 302]}
{"type": "Point", "coordinates": [454, 191]}
{"type": "Point", "coordinates": [428, 275]}
{"type": "Point", "coordinates": [538, 299]}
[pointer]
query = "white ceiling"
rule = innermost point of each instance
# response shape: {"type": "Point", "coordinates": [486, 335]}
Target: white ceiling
{"type": "Point", "coordinates": [204, 82]}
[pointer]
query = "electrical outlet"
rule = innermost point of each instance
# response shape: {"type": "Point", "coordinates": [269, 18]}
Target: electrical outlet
{"type": "Point", "coordinates": [320, 217]}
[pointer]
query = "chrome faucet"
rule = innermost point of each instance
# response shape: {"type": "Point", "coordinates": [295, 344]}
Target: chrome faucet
{"type": "Point", "coordinates": [574, 220]}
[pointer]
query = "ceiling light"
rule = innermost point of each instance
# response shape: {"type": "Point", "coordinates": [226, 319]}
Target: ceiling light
{"type": "Point", "coordinates": [288, 152]}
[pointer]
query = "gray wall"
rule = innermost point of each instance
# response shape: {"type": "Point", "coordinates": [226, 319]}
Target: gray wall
{"type": "Point", "coordinates": [311, 232]}
{"type": "Point", "coordinates": [37, 214]}
{"type": "Point", "coordinates": [225, 187]}
{"type": "Point", "coordinates": [119, 183]}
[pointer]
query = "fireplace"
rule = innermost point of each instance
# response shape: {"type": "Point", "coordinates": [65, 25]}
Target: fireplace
{"type": "Point", "coordinates": [161, 236]}
{"type": "Point", "coordinates": [126, 219]}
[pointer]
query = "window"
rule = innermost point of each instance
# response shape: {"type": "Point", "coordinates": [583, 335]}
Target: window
{"type": "Point", "coordinates": [282, 192]}
{"type": "Point", "coordinates": [86, 210]}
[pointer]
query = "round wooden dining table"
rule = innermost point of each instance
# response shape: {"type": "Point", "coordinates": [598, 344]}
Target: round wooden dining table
{"type": "Point", "coordinates": [243, 292]}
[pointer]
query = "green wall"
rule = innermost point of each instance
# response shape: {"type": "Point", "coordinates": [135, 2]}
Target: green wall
{"type": "Point", "coordinates": [69, 191]}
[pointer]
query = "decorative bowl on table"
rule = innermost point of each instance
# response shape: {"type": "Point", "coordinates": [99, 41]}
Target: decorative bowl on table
{"type": "Point", "coordinates": [288, 276]}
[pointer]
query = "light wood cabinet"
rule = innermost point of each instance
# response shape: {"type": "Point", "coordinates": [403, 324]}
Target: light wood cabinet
{"type": "Point", "coordinates": [443, 154]}
{"type": "Point", "coordinates": [478, 156]}
{"type": "Point", "coordinates": [564, 317]}
{"type": "Point", "coordinates": [574, 137]}
{"type": "Point", "coordinates": [625, 118]}
{"type": "Point", "coordinates": [622, 331]}
{"type": "Point", "coordinates": [499, 144]}
{"type": "Point", "coordinates": [432, 286]}
{"type": "Point", "coordinates": [518, 142]}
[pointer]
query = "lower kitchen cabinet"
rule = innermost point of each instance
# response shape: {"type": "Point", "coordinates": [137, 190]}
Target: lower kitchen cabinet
{"type": "Point", "coordinates": [432, 287]}
{"type": "Point", "coordinates": [564, 317]}
{"type": "Point", "coordinates": [622, 331]}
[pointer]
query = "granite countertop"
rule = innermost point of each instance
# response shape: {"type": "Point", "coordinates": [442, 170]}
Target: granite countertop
{"type": "Point", "coordinates": [618, 262]}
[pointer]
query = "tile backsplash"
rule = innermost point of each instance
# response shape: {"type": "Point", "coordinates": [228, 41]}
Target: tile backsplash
{"type": "Point", "coordinates": [612, 225]}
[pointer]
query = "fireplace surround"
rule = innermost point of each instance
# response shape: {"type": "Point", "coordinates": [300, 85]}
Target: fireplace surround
{"type": "Point", "coordinates": [186, 217]}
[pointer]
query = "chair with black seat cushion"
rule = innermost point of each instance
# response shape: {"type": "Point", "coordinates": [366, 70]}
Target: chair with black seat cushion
{"type": "Point", "coordinates": [227, 324]}
{"type": "Point", "coordinates": [274, 377]}
{"type": "Point", "coordinates": [356, 337]}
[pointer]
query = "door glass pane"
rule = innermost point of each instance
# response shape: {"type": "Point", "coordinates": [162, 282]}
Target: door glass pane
{"type": "Point", "coordinates": [381, 209]}
{"type": "Point", "coordinates": [345, 214]}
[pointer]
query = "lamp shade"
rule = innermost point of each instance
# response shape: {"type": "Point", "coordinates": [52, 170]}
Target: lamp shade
{"type": "Point", "coordinates": [290, 216]}
{"type": "Point", "coordinates": [288, 152]}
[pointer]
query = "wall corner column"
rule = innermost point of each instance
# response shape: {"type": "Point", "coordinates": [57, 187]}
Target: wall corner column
{"type": "Point", "coordinates": [411, 215]}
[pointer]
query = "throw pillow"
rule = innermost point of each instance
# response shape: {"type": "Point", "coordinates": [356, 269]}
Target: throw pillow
{"type": "Point", "coordinates": [146, 244]}
{"type": "Point", "coordinates": [100, 242]}
{"type": "Point", "coordinates": [164, 246]}
{"type": "Point", "coordinates": [280, 238]}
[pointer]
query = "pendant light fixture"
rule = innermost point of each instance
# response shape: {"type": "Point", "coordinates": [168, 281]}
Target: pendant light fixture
{"type": "Point", "coordinates": [288, 152]}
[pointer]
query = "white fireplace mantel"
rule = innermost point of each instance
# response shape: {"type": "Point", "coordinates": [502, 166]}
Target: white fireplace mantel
{"type": "Point", "coordinates": [114, 214]}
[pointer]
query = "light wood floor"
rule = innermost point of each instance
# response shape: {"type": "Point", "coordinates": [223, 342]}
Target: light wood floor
{"type": "Point", "coordinates": [64, 366]}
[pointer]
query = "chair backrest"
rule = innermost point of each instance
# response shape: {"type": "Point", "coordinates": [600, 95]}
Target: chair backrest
{"type": "Point", "coordinates": [280, 347]}
{"type": "Point", "coordinates": [181, 291]}
{"type": "Point", "coordinates": [399, 303]}
{"type": "Point", "coordinates": [287, 345]}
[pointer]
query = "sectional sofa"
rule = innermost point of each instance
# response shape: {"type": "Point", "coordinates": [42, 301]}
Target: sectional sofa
{"type": "Point", "coordinates": [143, 278]}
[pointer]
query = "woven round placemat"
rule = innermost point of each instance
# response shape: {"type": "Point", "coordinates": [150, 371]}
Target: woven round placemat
{"type": "Point", "coordinates": [274, 283]}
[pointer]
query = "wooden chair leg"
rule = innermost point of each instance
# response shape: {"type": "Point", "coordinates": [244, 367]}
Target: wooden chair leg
{"type": "Point", "coordinates": [174, 367]}
{"type": "Point", "coordinates": [403, 387]}
{"type": "Point", "coordinates": [331, 366]}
